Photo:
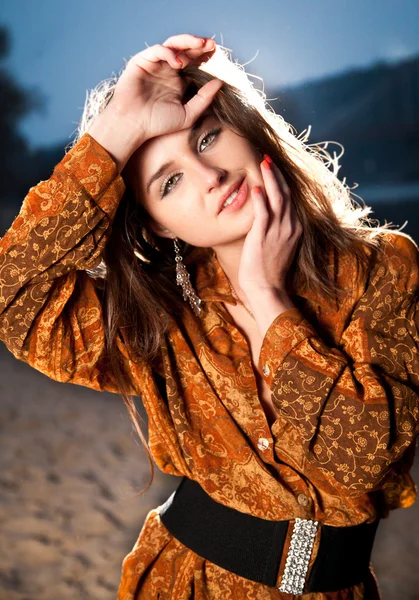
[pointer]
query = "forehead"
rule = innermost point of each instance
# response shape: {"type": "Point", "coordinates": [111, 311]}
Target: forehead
{"type": "Point", "coordinates": [151, 150]}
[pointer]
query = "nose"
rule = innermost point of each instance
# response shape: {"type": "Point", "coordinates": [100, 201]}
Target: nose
{"type": "Point", "coordinates": [207, 176]}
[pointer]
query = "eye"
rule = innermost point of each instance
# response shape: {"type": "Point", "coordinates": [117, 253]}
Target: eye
{"type": "Point", "coordinates": [167, 187]}
{"type": "Point", "coordinates": [212, 132]}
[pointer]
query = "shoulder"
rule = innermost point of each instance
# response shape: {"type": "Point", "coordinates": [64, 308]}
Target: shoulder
{"type": "Point", "coordinates": [399, 243]}
{"type": "Point", "coordinates": [397, 261]}
{"type": "Point", "coordinates": [391, 270]}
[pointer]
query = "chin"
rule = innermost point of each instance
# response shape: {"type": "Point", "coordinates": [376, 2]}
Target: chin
{"type": "Point", "coordinates": [245, 220]}
{"type": "Point", "coordinates": [239, 234]}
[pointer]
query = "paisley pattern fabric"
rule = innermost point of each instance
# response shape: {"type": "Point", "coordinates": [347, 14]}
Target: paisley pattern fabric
{"type": "Point", "coordinates": [344, 380]}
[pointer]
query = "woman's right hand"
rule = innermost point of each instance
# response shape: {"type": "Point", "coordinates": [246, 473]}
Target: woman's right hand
{"type": "Point", "coordinates": [147, 99]}
{"type": "Point", "coordinates": [150, 89]}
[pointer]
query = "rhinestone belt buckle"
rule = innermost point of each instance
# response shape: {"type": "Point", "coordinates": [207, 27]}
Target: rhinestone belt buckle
{"type": "Point", "coordinates": [298, 557]}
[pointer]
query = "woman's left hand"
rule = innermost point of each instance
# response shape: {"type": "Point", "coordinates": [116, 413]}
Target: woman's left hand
{"type": "Point", "coordinates": [271, 243]}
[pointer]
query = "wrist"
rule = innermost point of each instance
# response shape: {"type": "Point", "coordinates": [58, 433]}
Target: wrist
{"type": "Point", "coordinates": [258, 293]}
{"type": "Point", "coordinates": [117, 136]}
{"type": "Point", "coordinates": [266, 304]}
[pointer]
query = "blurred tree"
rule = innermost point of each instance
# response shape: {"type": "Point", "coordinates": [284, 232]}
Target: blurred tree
{"type": "Point", "coordinates": [16, 102]}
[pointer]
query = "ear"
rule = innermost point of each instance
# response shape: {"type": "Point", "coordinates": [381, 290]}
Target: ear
{"type": "Point", "coordinates": [159, 229]}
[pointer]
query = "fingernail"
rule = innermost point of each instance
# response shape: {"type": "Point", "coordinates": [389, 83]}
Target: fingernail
{"type": "Point", "coordinates": [266, 165]}
{"type": "Point", "coordinates": [267, 158]}
{"type": "Point", "coordinates": [178, 59]}
{"type": "Point", "coordinates": [204, 41]}
{"type": "Point", "coordinates": [256, 189]}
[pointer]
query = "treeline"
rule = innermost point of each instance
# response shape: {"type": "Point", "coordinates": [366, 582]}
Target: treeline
{"type": "Point", "coordinates": [373, 112]}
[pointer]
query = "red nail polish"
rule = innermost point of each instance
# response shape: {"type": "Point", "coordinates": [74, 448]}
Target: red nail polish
{"type": "Point", "coordinates": [256, 189]}
{"type": "Point", "coordinates": [268, 158]}
{"type": "Point", "coordinates": [266, 165]}
{"type": "Point", "coordinates": [178, 59]}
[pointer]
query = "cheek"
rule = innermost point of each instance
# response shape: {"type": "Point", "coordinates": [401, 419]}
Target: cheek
{"type": "Point", "coordinates": [242, 148]}
{"type": "Point", "coordinates": [208, 233]}
{"type": "Point", "coordinates": [194, 229]}
{"type": "Point", "coordinates": [189, 223]}
{"type": "Point", "coordinates": [183, 221]}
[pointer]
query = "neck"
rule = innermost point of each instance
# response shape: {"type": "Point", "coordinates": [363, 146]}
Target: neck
{"type": "Point", "coordinates": [229, 258]}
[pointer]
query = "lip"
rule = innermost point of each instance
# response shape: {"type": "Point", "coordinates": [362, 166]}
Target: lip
{"type": "Point", "coordinates": [242, 189]}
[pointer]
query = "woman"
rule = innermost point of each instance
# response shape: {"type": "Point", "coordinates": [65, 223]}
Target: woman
{"type": "Point", "coordinates": [271, 333]}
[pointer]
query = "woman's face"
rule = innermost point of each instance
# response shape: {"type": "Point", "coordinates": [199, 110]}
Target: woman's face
{"type": "Point", "coordinates": [207, 161]}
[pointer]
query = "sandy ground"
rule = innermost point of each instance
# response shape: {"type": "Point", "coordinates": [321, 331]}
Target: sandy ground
{"type": "Point", "coordinates": [70, 466]}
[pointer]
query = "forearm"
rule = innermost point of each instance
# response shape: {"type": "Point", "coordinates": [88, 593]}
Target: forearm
{"type": "Point", "coordinates": [61, 230]}
{"type": "Point", "coordinates": [351, 397]}
{"type": "Point", "coordinates": [117, 136]}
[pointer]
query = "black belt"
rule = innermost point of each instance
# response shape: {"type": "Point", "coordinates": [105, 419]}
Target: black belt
{"type": "Point", "coordinates": [252, 547]}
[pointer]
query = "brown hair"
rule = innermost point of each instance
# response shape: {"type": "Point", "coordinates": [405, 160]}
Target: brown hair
{"type": "Point", "coordinates": [140, 294]}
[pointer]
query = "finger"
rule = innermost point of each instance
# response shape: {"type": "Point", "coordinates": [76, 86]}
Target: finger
{"type": "Point", "coordinates": [209, 46]}
{"type": "Point", "coordinates": [273, 189]}
{"type": "Point", "coordinates": [155, 54]}
{"type": "Point", "coordinates": [261, 213]}
{"type": "Point", "coordinates": [194, 49]}
{"type": "Point", "coordinates": [281, 178]}
{"type": "Point", "coordinates": [205, 57]}
{"type": "Point", "coordinates": [200, 102]}
{"type": "Point", "coordinates": [288, 204]}
{"type": "Point", "coordinates": [297, 228]}
{"type": "Point", "coordinates": [185, 41]}
{"type": "Point", "coordinates": [196, 55]}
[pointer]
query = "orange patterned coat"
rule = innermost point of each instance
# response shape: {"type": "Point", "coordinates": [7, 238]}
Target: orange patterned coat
{"type": "Point", "coordinates": [344, 381]}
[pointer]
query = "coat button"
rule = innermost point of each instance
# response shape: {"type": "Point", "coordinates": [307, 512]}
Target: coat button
{"type": "Point", "coordinates": [266, 370]}
{"type": "Point", "coordinates": [263, 443]}
{"type": "Point", "coordinates": [303, 500]}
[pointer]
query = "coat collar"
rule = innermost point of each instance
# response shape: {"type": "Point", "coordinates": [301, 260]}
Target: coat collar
{"type": "Point", "coordinates": [212, 285]}
{"type": "Point", "coordinates": [211, 282]}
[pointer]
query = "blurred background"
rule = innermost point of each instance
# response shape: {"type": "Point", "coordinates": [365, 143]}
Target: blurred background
{"type": "Point", "coordinates": [70, 464]}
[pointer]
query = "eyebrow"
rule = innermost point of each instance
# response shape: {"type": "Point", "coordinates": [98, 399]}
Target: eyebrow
{"type": "Point", "coordinates": [168, 164]}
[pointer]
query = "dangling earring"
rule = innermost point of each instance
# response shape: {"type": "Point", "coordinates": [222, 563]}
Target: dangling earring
{"type": "Point", "coordinates": [183, 279]}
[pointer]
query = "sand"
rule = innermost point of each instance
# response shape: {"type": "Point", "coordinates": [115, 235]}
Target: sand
{"type": "Point", "coordinates": [70, 466]}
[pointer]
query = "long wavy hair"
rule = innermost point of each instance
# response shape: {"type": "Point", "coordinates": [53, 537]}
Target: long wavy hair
{"type": "Point", "coordinates": [137, 271]}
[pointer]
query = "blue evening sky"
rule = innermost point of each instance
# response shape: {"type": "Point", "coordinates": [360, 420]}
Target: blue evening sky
{"type": "Point", "coordinates": [65, 48]}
